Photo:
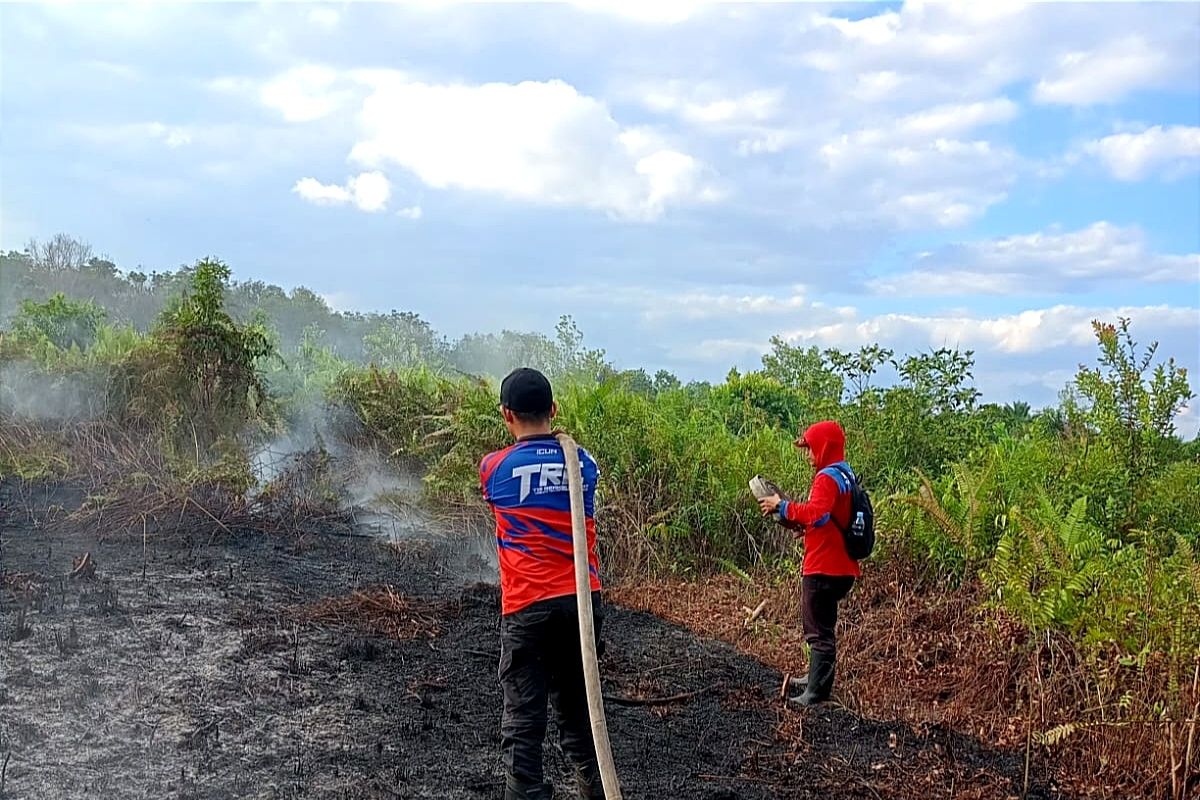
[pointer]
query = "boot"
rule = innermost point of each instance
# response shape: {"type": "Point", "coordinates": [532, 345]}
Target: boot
{"type": "Point", "coordinates": [516, 790]}
{"type": "Point", "coordinates": [820, 679]}
{"type": "Point", "coordinates": [590, 785]}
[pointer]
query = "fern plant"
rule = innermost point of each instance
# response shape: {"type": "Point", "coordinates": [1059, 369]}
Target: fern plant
{"type": "Point", "coordinates": [963, 530]}
{"type": "Point", "coordinates": [1048, 565]}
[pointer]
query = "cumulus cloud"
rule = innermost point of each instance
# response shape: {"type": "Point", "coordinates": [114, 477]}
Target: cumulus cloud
{"type": "Point", "coordinates": [1074, 55]}
{"type": "Point", "coordinates": [956, 119]}
{"type": "Point", "coordinates": [1040, 263]}
{"type": "Point", "coordinates": [301, 94]}
{"type": "Point", "coordinates": [709, 104]}
{"type": "Point", "coordinates": [905, 113]}
{"type": "Point", "coordinates": [411, 212]}
{"type": "Point", "coordinates": [1105, 74]}
{"type": "Point", "coordinates": [699, 305]}
{"type": "Point", "coordinates": [368, 191]}
{"type": "Point", "coordinates": [898, 125]}
{"type": "Point", "coordinates": [659, 12]}
{"type": "Point", "coordinates": [1025, 332]}
{"type": "Point", "coordinates": [1170, 152]}
{"type": "Point", "coordinates": [882, 174]}
{"type": "Point", "coordinates": [539, 142]}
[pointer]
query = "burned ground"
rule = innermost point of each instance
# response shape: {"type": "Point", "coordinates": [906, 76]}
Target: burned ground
{"type": "Point", "coordinates": [229, 665]}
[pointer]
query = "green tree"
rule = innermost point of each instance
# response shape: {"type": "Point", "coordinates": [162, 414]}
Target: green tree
{"type": "Point", "coordinates": [403, 340]}
{"type": "Point", "coordinates": [498, 354]}
{"type": "Point", "coordinates": [572, 358]}
{"type": "Point", "coordinates": [1130, 407]}
{"type": "Point", "coordinates": [209, 375]}
{"type": "Point", "coordinates": [858, 369]}
{"type": "Point", "coordinates": [806, 370]}
{"type": "Point", "coordinates": [665, 381]}
{"type": "Point", "coordinates": [636, 381]}
{"type": "Point", "coordinates": [943, 377]}
{"type": "Point", "coordinates": [757, 400]}
{"type": "Point", "coordinates": [64, 323]}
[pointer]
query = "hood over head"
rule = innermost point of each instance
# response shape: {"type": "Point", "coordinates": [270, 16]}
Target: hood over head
{"type": "Point", "coordinates": [827, 441]}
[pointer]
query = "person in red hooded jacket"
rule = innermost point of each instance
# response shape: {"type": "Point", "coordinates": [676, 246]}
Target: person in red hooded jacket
{"type": "Point", "coordinates": [829, 571]}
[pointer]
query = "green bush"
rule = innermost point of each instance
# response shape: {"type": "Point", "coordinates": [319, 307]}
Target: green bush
{"type": "Point", "coordinates": [1171, 501]}
{"type": "Point", "coordinates": [66, 324]}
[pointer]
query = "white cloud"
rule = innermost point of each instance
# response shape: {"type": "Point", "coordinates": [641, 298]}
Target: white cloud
{"type": "Point", "coordinates": [371, 191]}
{"type": "Point", "coordinates": [874, 30]}
{"type": "Point", "coordinates": [1041, 263]}
{"type": "Point", "coordinates": [301, 94]}
{"type": "Point", "coordinates": [903, 116]}
{"type": "Point", "coordinates": [1026, 332]}
{"type": "Point", "coordinates": [1075, 54]}
{"type": "Point", "coordinates": [172, 137]}
{"type": "Point", "coordinates": [719, 351]}
{"type": "Point", "coordinates": [411, 212]}
{"type": "Point", "coordinates": [670, 306]}
{"type": "Point", "coordinates": [230, 84]}
{"type": "Point", "coordinates": [881, 174]}
{"type": "Point", "coordinates": [658, 12]}
{"type": "Point", "coordinates": [324, 16]}
{"type": "Point", "coordinates": [707, 104]}
{"type": "Point", "coordinates": [540, 142]}
{"type": "Point", "coordinates": [1171, 152]}
{"type": "Point", "coordinates": [699, 305]}
{"type": "Point", "coordinates": [368, 191]}
{"type": "Point", "coordinates": [956, 119]}
{"type": "Point", "coordinates": [877, 86]}
{"type": "Point", "coordinates": [321, 194]}
{"type": "Point", "coordinates": [1105, 74]}
{"type": "Point", "coordinates": [133, 134]}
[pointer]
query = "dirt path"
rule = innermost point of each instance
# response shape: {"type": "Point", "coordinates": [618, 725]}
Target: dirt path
{"type": "Point", "coordinates": [192, 672]}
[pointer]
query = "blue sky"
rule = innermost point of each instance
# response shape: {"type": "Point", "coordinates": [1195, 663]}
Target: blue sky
{"type": "Point", "coordinates": [685, 180]}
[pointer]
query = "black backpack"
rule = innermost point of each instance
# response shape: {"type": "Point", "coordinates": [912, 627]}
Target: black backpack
{"type": "Point", "coordinates": [860, 535]}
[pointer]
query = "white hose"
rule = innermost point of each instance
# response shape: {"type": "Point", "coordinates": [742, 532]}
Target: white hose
{"type": "Point", "coordinates": [587, 627]}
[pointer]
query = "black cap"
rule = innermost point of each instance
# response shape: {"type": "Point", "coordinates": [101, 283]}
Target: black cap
{"type": "Point", "coordinates": [526, 391]}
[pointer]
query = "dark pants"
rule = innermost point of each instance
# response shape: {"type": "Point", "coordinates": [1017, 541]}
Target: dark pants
{"type": "Point", "coordinates": [540, 661]}
{"type": "Point", "coordinates": [822, 593]}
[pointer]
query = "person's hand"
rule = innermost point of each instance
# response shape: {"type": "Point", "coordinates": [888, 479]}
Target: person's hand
{"type": "Point", "coordinates": [769, 505]}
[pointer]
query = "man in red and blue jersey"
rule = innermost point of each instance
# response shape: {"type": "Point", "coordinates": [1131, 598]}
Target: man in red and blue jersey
{"type": "Point", "coordinates": [540, 661]}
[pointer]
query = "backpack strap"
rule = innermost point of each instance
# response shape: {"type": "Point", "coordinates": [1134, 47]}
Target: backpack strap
{"type": "Point", "coordinates": [841, 475]}
{"type": "Point", "coordinates": [844, 478]}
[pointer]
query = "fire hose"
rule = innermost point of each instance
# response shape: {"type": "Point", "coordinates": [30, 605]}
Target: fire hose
{"type": "Point", "coordinates": [587, 629]}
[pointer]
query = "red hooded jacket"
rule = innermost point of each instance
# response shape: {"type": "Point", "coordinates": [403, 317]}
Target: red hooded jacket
{"type": "Point", "coordinates": [824, 547]}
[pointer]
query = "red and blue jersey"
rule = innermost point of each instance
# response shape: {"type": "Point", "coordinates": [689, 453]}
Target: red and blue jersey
{"type": "Point", "coordinates": [526, 485]}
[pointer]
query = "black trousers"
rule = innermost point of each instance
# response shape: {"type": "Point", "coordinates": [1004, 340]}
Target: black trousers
{"type": "Point", "coordinates": [821, 595]}
{"type": "Point", "coordinates": [540, 660]}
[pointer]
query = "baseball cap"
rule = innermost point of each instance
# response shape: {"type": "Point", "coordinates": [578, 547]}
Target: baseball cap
{"type": "Point", "coordinates": [526, 391]}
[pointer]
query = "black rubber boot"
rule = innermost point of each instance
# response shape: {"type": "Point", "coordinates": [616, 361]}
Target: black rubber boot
{"type": "Point", "coordinates": [515, 790]}
{"type": "Point", "coordinates": [590, 785]}
{"type": "Point", "coordinates": [820, 679]}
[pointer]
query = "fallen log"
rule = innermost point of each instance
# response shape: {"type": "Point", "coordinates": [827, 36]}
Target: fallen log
{"type": "Point", "coordinates": [755, 614]}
